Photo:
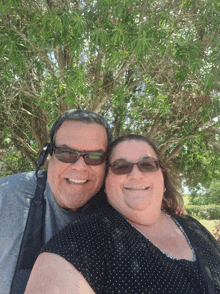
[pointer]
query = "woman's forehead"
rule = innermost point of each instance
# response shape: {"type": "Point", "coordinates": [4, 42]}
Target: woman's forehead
{"type": "Point", "coordinates": [132, 149]}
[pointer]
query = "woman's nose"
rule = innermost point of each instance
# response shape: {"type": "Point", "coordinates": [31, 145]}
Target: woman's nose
{"type": "Point", "coordinates": [135, 172]}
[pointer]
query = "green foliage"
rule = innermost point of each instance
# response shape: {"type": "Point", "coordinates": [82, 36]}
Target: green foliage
{"type": "Point", "coordinates": [203, 211]}
{"type": "Point", "coordinates": [13, 161]}
{"type": "Point", "coordinates": [213, 194]}
{"type": "Point", "coordinates": [210, 196]}
{"type": "Point", "coordinates": [149, 67]}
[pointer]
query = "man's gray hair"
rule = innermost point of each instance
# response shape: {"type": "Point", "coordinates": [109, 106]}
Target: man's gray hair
{"type": "Point", "coordinates": [85, 116]}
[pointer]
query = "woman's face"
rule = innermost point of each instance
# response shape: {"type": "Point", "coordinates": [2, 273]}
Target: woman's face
{"type": "Point", "coordinates": [136, 192]}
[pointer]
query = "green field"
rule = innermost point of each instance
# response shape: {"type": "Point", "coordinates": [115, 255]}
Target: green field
{"type": "Point", "coordinates": [209, 224]}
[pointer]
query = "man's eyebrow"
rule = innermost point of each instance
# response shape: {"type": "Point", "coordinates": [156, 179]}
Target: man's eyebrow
{"type": "Point", "coordinates": [64, 146]}
{"type": "Point", "coordinates": [70, 148]}
{"type": "Point", "coordinates": [97, 150]}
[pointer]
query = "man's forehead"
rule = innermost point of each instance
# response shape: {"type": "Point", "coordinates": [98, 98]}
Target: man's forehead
{"type": "Point", "coordinates": [83, 134]}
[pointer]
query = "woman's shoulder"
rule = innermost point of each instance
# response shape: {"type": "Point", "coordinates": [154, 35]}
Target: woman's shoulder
{"type": "Point", "coordinates": [194, 229]}
{"type": "Point", "coordinates": [190, 222]}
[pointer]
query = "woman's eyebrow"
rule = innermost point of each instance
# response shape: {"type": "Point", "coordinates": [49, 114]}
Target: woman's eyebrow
{"type": "Point", "coordinates": [121, 159]}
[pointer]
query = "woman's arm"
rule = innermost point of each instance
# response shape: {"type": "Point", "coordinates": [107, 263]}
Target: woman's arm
{"type": "Point", "coordinates": [53, 274]}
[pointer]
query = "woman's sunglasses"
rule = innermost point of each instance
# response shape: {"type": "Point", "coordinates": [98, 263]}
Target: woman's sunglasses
{"type": "Point", "coordinates": [69, 155]}
{"type": "Point", "coordinates": [145, 165]}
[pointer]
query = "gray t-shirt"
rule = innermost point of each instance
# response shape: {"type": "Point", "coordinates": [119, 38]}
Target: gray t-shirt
{"type": "Point", "coordinates": [16, 192]}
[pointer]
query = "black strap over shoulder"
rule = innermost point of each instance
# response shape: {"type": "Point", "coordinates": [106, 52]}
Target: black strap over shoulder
{"type": "Point", "coordinates": [33, 238]}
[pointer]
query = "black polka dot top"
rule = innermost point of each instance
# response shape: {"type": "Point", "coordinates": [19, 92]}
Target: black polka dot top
{"type": "Point", "coordinates": [116, 258]}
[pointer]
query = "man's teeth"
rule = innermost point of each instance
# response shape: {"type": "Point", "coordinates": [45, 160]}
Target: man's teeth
{"type": "Point", "coordinates": [71, 181]}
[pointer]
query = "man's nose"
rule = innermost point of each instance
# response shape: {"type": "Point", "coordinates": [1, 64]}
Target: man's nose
{"type": "Point", "coordinates": [80, 163]}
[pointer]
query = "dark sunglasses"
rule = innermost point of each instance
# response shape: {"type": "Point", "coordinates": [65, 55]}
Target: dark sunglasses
{"type": "Point", "coordinates": [145, 165]}
{"type": "Point", "coordinates": [69, 155]}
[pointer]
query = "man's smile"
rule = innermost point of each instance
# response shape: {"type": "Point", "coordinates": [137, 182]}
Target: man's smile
{"type": "Point", "coordinates": [76, 181]}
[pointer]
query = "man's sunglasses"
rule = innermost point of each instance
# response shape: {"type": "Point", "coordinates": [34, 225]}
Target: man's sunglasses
{"type": "Point", "coordinates": [145, 165]}
{"type": "Point", "coordinates": [69, 155]}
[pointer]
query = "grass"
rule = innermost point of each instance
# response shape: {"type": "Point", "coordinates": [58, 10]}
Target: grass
{"type": "Point", "coordinates": [208, 224]}
{"type": "Point", "coordinates": [185, 199]}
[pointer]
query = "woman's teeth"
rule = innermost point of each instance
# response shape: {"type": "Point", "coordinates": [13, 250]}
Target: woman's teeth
{"type": "Point", "coordinates": [138, 188]}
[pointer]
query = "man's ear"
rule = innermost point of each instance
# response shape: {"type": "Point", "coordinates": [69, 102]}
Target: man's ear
{"type": "Point", "coordinates": [43, 155]}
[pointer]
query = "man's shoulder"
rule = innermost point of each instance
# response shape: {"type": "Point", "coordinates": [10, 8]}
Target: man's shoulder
{"type": "Point", "coordinates": [22, 183]}
{"type": "Point", "coordinates": [18, 179]}
{"type": "Point", "coordinates": [28, 174]}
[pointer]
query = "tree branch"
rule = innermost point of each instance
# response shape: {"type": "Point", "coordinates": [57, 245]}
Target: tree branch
{"type": "Point", "coordinates": [124, 67]}
{"type": "Point", "coordinates": [27, 153]}
{"type": "Point", "coordinates": [28, 147]}
{"type": "Point", "coordinates": [154, 127]}
{"type": "Point", "coordinates": [175, 151]}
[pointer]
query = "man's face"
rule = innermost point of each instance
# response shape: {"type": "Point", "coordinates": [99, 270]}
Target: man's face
{"type": "Point", "coordinates": [73, 184]}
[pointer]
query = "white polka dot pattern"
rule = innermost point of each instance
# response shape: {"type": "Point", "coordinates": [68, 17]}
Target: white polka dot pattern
{"type": "Point", "coordinates": [115, 258]}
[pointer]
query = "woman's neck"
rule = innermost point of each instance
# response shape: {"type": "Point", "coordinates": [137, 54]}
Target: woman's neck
{"type": "Point", "coordinates": [166, 235]}
{"type": "Point", "coordinates": [152, 225]}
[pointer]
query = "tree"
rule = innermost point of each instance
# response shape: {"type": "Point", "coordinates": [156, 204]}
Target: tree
{"type": "Point", "coordinates": [150, 67]}
{"type": "Point", "coordinates": [208, 196]}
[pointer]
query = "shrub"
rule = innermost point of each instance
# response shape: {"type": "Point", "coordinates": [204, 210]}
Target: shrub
{"type": "Point", "coordinates": [216, 231]}
{"type": "Point", "coordinates": [203, 211]}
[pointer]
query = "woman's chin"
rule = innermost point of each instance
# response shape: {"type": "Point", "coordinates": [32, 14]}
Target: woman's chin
{"type": "Point", "coordinates": [138, 205]}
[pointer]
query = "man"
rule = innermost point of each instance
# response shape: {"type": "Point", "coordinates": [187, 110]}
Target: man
{"type": "Point", "coordinates": [78, 142]}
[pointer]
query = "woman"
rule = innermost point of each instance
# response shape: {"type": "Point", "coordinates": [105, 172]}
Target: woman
{"type": "Point", "coordinates": [133, 245]}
